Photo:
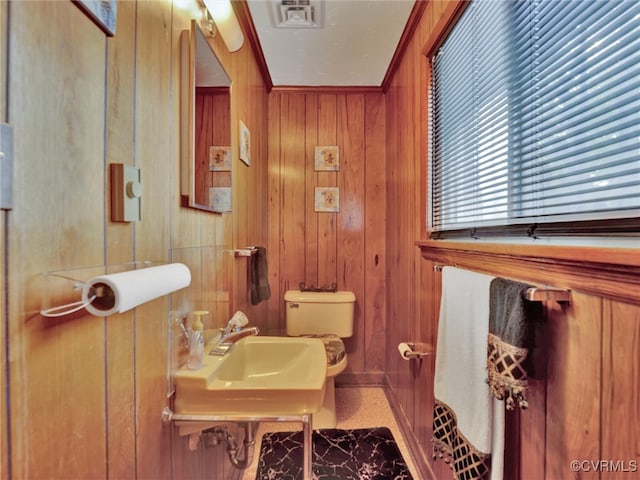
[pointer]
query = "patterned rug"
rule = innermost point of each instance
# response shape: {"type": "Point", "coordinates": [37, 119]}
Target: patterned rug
{"type": "Point", "coordinates": [361, 454]}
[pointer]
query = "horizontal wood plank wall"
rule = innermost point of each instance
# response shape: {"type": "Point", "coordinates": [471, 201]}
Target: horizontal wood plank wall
{"type": "Point", "coordinates": [584, 406]}
{"type": "Point", "coordinates": [86, 393]}
{"type": "Point", "coordinates": [319, 248]}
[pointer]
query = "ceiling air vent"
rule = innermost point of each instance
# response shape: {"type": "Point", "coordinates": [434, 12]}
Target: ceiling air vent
{"type": "Point", "coordinates": [298, 14]}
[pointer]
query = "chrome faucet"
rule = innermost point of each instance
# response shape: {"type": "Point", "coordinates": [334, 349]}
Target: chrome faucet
{"type": "Point", "coordinates": [228, 339]}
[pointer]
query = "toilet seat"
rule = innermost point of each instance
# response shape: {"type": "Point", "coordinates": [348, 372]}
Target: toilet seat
{"type": "Point", "coordinates": [336, 353]}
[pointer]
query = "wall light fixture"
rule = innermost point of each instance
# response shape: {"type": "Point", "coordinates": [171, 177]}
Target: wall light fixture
{"type": "Point", "coordinates": [226, 23]}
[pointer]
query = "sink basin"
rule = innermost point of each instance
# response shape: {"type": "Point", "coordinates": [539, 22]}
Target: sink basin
{"type": "Point", "coordinates": [259, 376]}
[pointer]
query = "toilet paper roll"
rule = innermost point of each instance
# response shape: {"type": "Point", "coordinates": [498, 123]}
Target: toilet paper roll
{"type": "Point", "coordinates": [119, 292]}
{"type": "Point", "coordinates": [404, 350]}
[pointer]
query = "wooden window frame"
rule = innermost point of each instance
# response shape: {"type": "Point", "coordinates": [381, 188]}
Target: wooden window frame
{"type": "Point", "coordinates": [610, 272]}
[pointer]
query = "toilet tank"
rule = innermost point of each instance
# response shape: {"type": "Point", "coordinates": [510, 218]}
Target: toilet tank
{"type": "Point", "coordinates": [319, 313]}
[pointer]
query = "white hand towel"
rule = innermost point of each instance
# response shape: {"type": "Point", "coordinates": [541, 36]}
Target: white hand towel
{"type": "Point", "coordinates": [476, 420]}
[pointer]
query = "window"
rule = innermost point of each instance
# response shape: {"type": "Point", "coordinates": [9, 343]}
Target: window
{"type": "Point", "coordinates": [535, 119]}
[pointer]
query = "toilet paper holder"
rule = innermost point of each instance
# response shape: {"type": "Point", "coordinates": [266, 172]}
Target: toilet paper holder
{"type": "Point", "coordinates": [410, 350]}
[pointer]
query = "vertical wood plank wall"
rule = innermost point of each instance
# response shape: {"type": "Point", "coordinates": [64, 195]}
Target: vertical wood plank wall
{"type": "Point", "coordinates": [586, 406]}
{"type": "Point", "coordinates": [85, 394]}
{"type": "Point", "coordinates": [319, 248]}
{"type": "Point", "coordinates": [212, 128]}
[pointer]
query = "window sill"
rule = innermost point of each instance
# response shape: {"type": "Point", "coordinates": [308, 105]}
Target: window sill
{"type": "Point", "coordinates": [609, 272]}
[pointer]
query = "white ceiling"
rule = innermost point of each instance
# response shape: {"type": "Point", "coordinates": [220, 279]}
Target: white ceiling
{"type": "Point", "coordinates": [353, 47]}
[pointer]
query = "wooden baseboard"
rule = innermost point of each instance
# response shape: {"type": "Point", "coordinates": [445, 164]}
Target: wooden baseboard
{"type": "Point", "coordinates": [421, 463]}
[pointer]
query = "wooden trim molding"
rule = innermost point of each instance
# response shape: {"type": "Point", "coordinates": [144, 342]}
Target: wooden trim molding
{"type": "Point", "coordinates": [412, 24]}
{"type": "Point", "coordinates": [445, 23]}
{"type": "Point", "coordinates": [241, 7]}
{"type": "Point", "coordinates": [326, 89]}
{"type": "Point", "coordinates": [212, 90]}
{"type": "Point", "coordinates": [609, 272]}
{"type": "Point", "coordinates": [416, 449]}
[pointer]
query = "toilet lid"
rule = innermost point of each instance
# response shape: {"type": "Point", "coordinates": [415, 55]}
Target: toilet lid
{"type": "Point", "coordinates": [333, 346]}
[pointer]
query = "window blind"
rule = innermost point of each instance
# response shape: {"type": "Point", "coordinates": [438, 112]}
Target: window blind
{"type": "Point", "coordinates": [535, 116]}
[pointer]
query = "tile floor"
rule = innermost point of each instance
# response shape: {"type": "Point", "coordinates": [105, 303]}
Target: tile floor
{"type": "Point", "coordinates": [356, 407]}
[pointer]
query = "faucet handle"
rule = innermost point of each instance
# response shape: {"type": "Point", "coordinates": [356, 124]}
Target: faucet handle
{"type": "Point", "coordinates": [238, 320]}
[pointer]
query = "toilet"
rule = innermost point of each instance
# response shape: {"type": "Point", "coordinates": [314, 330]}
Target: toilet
{"type": "Point", "coordinates": [329, 316]}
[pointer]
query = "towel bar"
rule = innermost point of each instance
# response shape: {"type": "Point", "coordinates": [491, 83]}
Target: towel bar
{"type": "Point", "coordinates": [537, 294]}
{"type": "Point", "coordinates": [543, 294]}
{"type": "Point", "coordinates": [245, 252]}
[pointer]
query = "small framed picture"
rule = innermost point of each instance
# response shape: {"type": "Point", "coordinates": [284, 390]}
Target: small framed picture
{"type": "Point", "coordinates": [327, 199]}
{"type": "Point", "coordinates": [220, 199]}
{"type": "Point", "coordinates": [101, 12]}
{"type": "Point", "coordinates": [327, 158]}
{"type": "Point", "coordinates": [245, 144]}
{"type": "Point", "coordinates": [219, 159]}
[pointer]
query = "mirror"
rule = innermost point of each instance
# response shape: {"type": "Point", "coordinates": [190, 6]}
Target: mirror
{"type": "Point", "coordinates": [205, 126]}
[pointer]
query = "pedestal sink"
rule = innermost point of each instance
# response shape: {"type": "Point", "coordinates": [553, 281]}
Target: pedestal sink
{"type": "Point", "coordinates": [260, 376]}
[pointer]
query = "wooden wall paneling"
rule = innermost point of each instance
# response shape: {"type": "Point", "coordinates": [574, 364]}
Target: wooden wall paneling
{"type": "Point", "coordinates": [422, 371]}
{"type": "Point", "coordinates": [187, 224]}
{"type": "Point", "coordinates": [424, 84]}
{"type": "Point", "coordinates": [152, 155]}
{"type": "Point", "coordinates": [332, 247]}
{"type": "Point", "coordinates": [327, 222]}
{"type": "Point", "coordinates": [620, 423]}
{"type": "Point", "coordinates": [213, 125]}
{"type": "Point", "coordinates": [239, 223]}
{"type": "Point", "coordinates": [292, 224]}
{"type": "Point", "coordinates": [68, 374]}
{"type": "Point", "coordinates": [576, 407]}
{"type": "Point", "coordinates": [57, 383]}
{"type": "Point", "coordinates": [391, 113]}
{"type": "Point", "coordinates": [573, 384]}
{"type": "Point", "coordinates": [221, 106]}
{"type": "Point", "coordinates": [525, 435]}
{"type": "Point", "coordinates": [119, 329]}
{"type": "Point", "coordinates": [255, 104]}
{"type": "Point", "coordinates": [422, 418]}
{"type": "Point", "coordinates": [203, 129]}
{"type": "Point", "coordinates": [402, 207]}
{"type": "Point", "coordinates": [351, 218]}
{"type": "Point", "coordinates": [4, 320]}
{"type": "Point", "coordinates": [440, 469]}
{"type": "Point", "coordinates": [275, 199]}
{"type": "Point", "coordinates": [222, 229]}
{"type": "Point", "coordinates": [431, 308]}
{"type": "Point", "coordinates": [411, 314]}
{"type": "Point", "coordinates": [375, 223]}
{"type": "Point", "coordinates": [312, 218]}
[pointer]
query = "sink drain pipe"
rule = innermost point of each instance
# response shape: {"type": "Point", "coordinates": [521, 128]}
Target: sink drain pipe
{"type": "Point", "coordinates": [248, 444]}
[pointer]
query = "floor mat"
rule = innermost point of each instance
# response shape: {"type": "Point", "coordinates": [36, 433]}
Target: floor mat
{"type": "Point", "coordinates": [360, 454]}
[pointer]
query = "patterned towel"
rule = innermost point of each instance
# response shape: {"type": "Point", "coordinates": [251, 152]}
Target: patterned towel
{"type": "Point", "coordinates": [511, 337]}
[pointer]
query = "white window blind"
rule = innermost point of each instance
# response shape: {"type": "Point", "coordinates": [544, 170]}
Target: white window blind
{"type": "Point", "coordinates": [535, 117]}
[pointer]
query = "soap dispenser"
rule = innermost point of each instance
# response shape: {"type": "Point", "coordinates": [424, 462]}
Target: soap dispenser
{"type": "Point", "coordinates": [196, 341]}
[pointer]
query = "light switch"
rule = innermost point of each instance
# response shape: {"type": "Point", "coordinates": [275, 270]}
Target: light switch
{"type": "Point", "coordinates": [126, 193]}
